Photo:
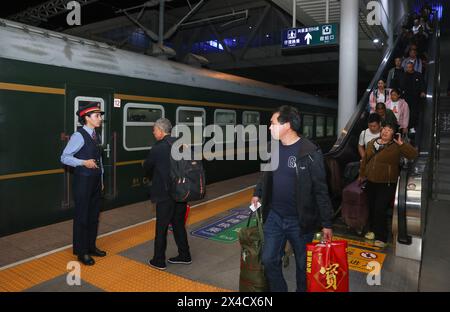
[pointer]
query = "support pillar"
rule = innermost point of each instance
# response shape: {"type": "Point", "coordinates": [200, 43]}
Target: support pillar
{"type": "Point", "coordinates": [348, 61]}
{"type": "Point", "coordinates": [161, 23]}
{"type": "Point", "coordinates": [391, 13]}
{"type": "Point", "coordinates": [294, 13]}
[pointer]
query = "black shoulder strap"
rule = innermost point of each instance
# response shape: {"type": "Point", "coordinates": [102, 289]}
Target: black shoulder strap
{"type": "Point", "coordinates": [378, 151]}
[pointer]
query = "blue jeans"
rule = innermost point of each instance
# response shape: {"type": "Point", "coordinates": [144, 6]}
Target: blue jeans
{"type": "Point", "coordinates": [277, 231]}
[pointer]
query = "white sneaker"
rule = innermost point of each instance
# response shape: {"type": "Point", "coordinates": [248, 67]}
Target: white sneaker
{"type": "Point", "coordinates": [379, 243]}
{"type": "Point", "coordinates": [370, 235]}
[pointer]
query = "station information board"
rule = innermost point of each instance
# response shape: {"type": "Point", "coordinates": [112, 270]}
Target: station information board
{"type": "Point", "coordinates": [314, 36]}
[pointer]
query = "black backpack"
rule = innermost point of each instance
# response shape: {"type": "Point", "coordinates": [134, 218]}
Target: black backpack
{"type": "Point", "coordinates": [187, 179]}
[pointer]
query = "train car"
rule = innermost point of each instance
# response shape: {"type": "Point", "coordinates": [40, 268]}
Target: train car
{"type": "Point", "coordinates": [45, 76]}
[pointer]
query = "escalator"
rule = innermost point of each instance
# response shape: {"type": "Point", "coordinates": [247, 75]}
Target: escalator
{"type": "Point", "coordinates": [414, 185]}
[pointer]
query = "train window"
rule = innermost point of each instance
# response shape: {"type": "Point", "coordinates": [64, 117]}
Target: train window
{"type": "Point", "coordinates": [250, 118]}
{"type": "Point", "coordinates": [320, 127]}
{"type": "Point", "coordinates": [83, 101]}
{"type": "Point", "coordinates": [222, 118]}
{"type": "Point", "coordinates": [308, 126]}
{"type": "Point", "coordinates": [330, 126]}
{"type": "Point", "coordinates": [186, 116]}
{"type": "Point", "coordinates": [138, 122]}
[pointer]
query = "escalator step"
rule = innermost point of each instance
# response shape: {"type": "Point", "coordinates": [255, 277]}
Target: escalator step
{"type": "Point", "coordinates": [442, 177]}
{"type": "Point", "coordinates": [443, 197]}
{"type": "Point", "coordinates": [444, 140]}
{"type": "Point", "coordinates": [442, 188]}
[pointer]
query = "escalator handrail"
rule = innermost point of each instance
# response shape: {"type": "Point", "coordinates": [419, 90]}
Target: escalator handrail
{"type": "Point", "coordinates": [428, 135]}
{"type": "Point", "coordinates": [402, 226]}
{"type": "Point", "coordinates": [343, 138]}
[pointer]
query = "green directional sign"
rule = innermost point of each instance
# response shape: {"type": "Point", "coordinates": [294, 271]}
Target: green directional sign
{"type": "Point", "coordinates": [314, 36]}
{"type": "Point", "coordinates": [225, 229]}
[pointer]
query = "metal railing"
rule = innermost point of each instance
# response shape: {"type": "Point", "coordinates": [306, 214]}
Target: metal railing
{"type": "Point", "coordinates": [415, 181]}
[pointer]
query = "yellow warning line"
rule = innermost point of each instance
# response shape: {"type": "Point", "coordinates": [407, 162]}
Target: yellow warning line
{"type": "Point", "coordinates": [35, 272]}
{"type": "Point", "coordinates": [30, 174]}
{"type": "Point", "coordinates": [28, 88]}
{"type": "Point", "coordinates": [117, 273]}
{"type": "Point", "coordinates": [127, 163]}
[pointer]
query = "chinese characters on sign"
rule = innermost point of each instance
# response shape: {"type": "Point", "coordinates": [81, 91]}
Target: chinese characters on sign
{"type": "Point", "coordinates": [321, 35]}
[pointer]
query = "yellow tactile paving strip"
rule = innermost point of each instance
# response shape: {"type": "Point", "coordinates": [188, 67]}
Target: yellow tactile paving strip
{"type": "Point", "coordinates": [133, 276]}
{"type": "Point", "coordinates": [117, 273]}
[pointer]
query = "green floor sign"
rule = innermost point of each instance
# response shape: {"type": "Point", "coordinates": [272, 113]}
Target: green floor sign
{"type": "Point", "coordinates": [225, 229]}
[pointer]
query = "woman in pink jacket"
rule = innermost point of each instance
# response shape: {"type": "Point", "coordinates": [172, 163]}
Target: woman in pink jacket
{"type": "Point", "coordinates": [379, 95]}
{"type": "Point", "coordinates": [400, 109]}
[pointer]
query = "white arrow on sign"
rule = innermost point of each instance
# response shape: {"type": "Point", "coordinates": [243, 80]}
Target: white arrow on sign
{"type": "Point", "coordinates": [308, 38]}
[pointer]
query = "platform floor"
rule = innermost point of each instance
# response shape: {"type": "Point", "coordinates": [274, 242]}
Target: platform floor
{"type": "Point", "coordinates": [215, 265]}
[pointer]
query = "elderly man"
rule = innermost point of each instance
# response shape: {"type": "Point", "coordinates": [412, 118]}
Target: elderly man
{"type": "Point", "coordinates": [168, 211]}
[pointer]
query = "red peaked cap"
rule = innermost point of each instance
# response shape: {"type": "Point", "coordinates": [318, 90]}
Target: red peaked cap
{"type": "Point", "coordinates": [92, 107]}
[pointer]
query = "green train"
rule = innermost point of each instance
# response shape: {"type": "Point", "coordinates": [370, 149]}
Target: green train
{"type": "Point", "coordinates": [45, 76]}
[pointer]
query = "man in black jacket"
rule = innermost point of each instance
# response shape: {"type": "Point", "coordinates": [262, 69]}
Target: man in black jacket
{"type": "Point", "coordinates": [294, 197]}
{"type": "Point", "coordinates": [412, 87]}
{"type": "Point", "coordinates": [168, 211]}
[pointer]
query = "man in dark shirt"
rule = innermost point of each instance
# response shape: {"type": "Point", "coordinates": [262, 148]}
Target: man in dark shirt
{"type": "Point", "coordinates": [412, 87]}
{"type": "Point", "coordinates": [395, 74]}
{"type": "Point", "coordinates": [168, 211]}
{"type": "Point", "coordinates": [294, 197]}
{"type": "Point", "coordinates": [387, 116]}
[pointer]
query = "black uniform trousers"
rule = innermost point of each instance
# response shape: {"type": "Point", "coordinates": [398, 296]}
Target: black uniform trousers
{"type": "Point", "coordinates": [169, 211]}
{"type": "Point", "coordinates": [87, 193]}
{"type": "Point", "coordinates": [379, 196]}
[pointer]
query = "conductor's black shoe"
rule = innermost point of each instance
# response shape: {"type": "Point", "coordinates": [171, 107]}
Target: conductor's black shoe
{"type": "Point", "coordinates": [97, 253]}
{"type": "Point", "coordinates": [180, 260]}
{"type": "Point", "coordinates": [156, 265]}
{"type": "Point", "coordinates": [86, 260]}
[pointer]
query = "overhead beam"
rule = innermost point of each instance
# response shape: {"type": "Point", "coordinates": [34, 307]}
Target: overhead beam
{"type": "Point", "coordinates": [222, 42]}
{"type": "Point", "coordinates": [255, 31]}
{"type": "Point", "coordinates": [301, 15]}
{"type": "Point", "coordinates": [147, 31]}
{"type": "Point", "coordinates": [175, 27]}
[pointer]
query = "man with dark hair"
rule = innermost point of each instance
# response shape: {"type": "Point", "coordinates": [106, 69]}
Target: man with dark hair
{"type": "Point", "coordinates": [367, 135]}
{"type": "Point", "coordinates": [414, 59]}
{"type": "Point", "coordinates": [395, 74]}
{"type": "Point", "coordinates": [168, 211]}
{"type": "Point", "coordinates": [387, 117]}
{"type": "Point", "coordinates": [83, 152]}
{"type": "Point", "coordinates": [294, 197]}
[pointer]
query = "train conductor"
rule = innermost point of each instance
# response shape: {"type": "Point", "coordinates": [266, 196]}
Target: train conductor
{"type": "Point", "coordinates": [83, 152]}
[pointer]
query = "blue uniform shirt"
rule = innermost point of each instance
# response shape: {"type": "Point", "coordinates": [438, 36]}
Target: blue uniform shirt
{"type": "Point", "coordinates": [76, 142]}
{"type": "Point", "coordinates": [284, 181]}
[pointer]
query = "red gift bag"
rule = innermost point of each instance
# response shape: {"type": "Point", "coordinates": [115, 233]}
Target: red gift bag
{"type": "Point", "coordinates": [327, 266]}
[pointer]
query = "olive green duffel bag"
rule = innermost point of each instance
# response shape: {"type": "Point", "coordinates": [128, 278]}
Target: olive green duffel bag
{"type": "Point", "coordinates": [251, 238]}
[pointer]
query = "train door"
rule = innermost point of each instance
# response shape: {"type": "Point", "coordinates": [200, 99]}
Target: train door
{"type": "Point", "coordinates": [76, 96]}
